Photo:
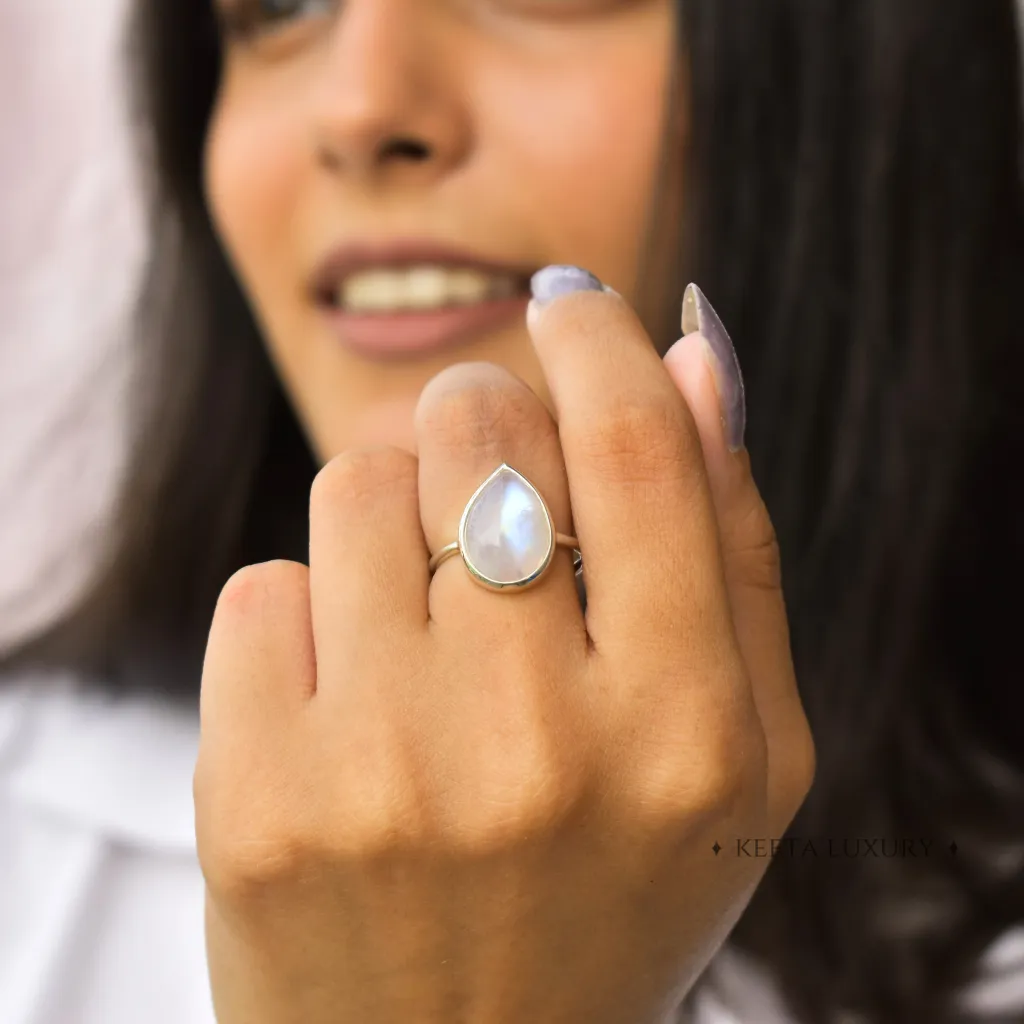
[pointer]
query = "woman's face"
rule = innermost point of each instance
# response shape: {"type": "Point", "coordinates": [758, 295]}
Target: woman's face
{"type": "Point", "coordinates": [385, 174]}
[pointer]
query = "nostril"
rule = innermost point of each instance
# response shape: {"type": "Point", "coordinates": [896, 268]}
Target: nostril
{"type": "Point", "coordinates": [407, 149]}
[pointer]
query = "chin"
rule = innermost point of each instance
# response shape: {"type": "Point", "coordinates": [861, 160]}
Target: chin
{"type": "Point", "coordinates": [384, 423]}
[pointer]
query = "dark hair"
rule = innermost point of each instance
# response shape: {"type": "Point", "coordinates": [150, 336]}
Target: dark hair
{"type": "Point", "coordinates": [854, 210]}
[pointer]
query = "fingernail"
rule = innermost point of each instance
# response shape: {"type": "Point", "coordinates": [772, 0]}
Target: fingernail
{"type": "Point", "coordinates": [549, 283]}
{"type": "Point", "coordinates": [700, 316]}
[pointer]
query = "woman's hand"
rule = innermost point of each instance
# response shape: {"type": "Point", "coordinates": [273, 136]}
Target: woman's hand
{"type": "Point", "coordinates": [421, 801]}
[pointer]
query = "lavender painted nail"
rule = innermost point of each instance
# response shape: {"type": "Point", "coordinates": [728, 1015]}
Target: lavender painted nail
{"type": "Point", "coordinates": [549, 283]}
{"type": "Point", "coordinates": [699, 315]}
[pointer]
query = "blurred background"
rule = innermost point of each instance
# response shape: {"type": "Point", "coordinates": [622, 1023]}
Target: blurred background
{"type": "Point", "coordinates": [71, 249]}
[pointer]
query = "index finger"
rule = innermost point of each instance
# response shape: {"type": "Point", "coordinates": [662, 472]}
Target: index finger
{"type": "Point", "coordinates": [641, 502]}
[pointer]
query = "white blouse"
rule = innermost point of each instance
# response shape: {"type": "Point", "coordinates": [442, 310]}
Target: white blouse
{"type": "Point", "coordinates": [101, 895]}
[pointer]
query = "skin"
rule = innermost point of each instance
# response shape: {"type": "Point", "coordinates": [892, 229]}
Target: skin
{"type": "Point", "coordinates": [418, 799]}
{"type": "Point", "coordinates": [545, 135]}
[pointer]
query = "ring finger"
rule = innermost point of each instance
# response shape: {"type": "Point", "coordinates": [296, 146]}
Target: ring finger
{"type": "Point", "coordinates": [470, 419]}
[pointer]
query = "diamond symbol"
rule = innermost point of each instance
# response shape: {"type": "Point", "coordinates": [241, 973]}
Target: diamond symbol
{"type": "Point", "coordinates": [716, 848]}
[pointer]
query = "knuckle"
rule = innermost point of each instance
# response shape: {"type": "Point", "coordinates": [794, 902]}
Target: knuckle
{"type": "Point", "coordinates": [709, 783]}
{"type": "Point", "coordinates": [250, 852]}
{"type": "Point", "coordinates": [374, 830]}
{"type": "Point", "coordinates": [526, 794]}
{"type": "Point", "coordinates": [756, 560]}
{"type": "Point", "coordinates": [358, 474]}
{"type": "Point", "coordinates": [798, 771]}
{"type": "Point", "coordinates": [243, 868]}
{"type": "Point", "coordinates": [536, 805]}
{"type": "Point", "coordinates": [377, 812]}
{"type": "Point", "coordinates": [717, 786]}
{"type": "Point", "coordinates": [251, 590]}
{"type": "Point", "coordinates": [243, 844]}
{"type": "Point", "coordinates": [637, 439]}
{"type": "Point", "coordinates": [483, 413]}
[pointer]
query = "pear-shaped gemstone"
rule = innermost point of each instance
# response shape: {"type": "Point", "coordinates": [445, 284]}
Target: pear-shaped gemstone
{"type": "Point", "coordinates": [507, 535]}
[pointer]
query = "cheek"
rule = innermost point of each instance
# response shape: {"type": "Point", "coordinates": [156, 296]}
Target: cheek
{"type": "Point", "coordinates": [251, 171]}
{"type": "Point", "coordinates": [591, 158]}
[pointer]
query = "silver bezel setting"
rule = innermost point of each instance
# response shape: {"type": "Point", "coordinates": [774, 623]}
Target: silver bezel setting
{"type": "Point", "coordinates": [527, 581]}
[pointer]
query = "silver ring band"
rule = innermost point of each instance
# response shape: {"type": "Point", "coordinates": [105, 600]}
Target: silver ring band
{"type": "Point", "coordinates": [453, 549]}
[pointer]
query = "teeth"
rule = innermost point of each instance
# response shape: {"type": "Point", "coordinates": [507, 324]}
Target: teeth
{"type": "Point", "coordinates": [371, 291]}
{"type": "Point", "coordinates": [467, 286]}
{"type": "Point", "coordinates": [422, 287]}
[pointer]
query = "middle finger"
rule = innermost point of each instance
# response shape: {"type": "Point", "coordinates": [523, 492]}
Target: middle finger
{"type": "Point", "coordinates": [644, 513]}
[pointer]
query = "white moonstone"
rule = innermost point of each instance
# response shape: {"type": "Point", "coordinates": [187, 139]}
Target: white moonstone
{"type": "Point", "coordinates": [507, 535]}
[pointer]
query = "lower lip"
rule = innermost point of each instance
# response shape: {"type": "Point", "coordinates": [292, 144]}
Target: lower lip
{"type": "Point", "coordinates": [385, 335]}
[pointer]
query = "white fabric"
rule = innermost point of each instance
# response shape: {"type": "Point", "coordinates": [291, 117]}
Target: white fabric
{"type": "Point", "coordinates": [101, 895]}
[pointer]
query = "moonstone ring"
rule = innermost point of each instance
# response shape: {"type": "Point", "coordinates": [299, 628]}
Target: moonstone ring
{"type": "Point", "coordinates": [507, 537]}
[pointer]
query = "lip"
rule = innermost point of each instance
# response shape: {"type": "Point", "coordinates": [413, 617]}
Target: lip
{"type": "Point", "coordinates": [389, 335]}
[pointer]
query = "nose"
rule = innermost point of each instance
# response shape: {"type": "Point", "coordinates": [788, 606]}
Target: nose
{"type": "Point", "coordinates": [386, 102]}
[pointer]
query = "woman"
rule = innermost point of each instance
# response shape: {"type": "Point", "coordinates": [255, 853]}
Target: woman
{"type": "Point", "coordinates": [845, 182]}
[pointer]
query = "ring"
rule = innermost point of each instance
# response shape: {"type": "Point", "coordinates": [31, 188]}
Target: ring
{"type": "Point", "coordinates": [507, 537]}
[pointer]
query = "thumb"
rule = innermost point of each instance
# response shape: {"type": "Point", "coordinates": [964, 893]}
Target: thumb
{"type": "Point", "coordinates": [705, 368]}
